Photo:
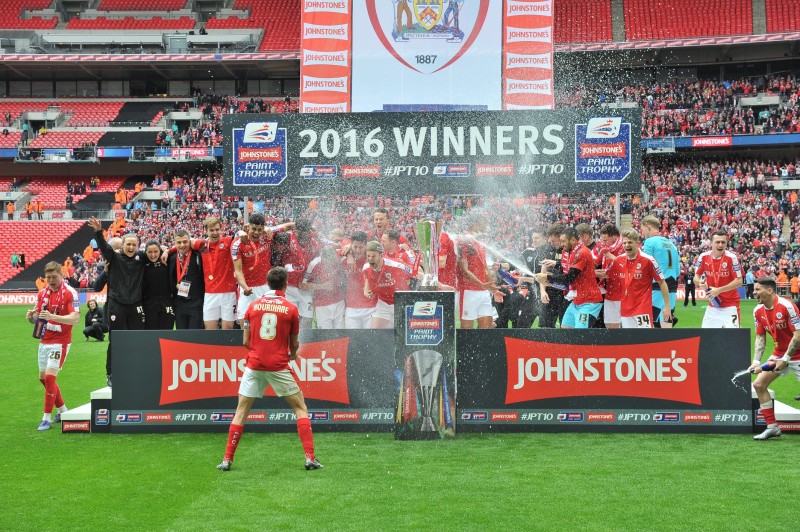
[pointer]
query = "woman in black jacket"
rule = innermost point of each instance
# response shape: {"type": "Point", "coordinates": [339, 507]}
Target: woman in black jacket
{"type": "Point", "coordinates": [94, 324]}
{"type": "Point", "coordinates": [156, 291]}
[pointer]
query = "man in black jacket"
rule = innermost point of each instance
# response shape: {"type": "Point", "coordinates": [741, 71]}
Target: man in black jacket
{"type": "Point", "coordinates": [531, 306]}
{"type": "Point", "coordinates": [186, 270]}
{"type": "Point", "coordinates": [124, 306]}
{"type": "Point", "coordinates": [554, 304]}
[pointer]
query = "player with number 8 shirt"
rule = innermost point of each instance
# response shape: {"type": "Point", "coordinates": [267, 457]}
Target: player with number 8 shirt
{"type": "Point", "coordinates": [271, 330]}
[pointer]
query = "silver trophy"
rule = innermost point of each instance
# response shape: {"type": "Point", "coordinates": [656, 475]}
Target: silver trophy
{"type": "Point", "coordinates": [428, 364]}
{"type": "Point", "coordinates": [428, 239]}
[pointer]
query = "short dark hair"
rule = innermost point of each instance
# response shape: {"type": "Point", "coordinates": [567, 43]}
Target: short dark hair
{"type": "Point", "coordinates": [276, 278]}
{"type": "Point", "coordinates": [393, 234]}
{"type": "Point", "coordinates": [555, 230]}
{"type": "Point", "coordinates": [181, 232]}
{"type": "Point", "coordinates": [256, 219]}
{"type": "Point", "coordinates": [382, 210]}
{"type": "Point", "coordinates": [359, 236]}
{"type": "Point", "coordinates": [539, 229]}
{"type": "Point", "coordinates": [570, 233]}
{"type": "Point", "coordinates": [767, 282]}
{"type": "Point", "coordinates": [281, 238]}
{"type": "Point", "coordinates": [610, 230]}
{"type": "Point", "coordinates": [584, 229]}
{"type": "Point", "coordinates": [153, 242]}
{"type": "Point", "coordinates": [719, 232]}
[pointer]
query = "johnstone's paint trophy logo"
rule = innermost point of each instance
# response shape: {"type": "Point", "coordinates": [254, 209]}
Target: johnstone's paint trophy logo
{"type": "Point", "coordinates": [427, 35]}
{"type": "Point", "coordinates": [259, 154]}
{"type": "Point", "coordinates": [603, 150]}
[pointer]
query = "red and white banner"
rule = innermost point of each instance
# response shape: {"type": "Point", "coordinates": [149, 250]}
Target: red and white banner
{"type": "Point", "coordinates": [325, 61]}
{"type": "Point", "coordinates": [528, 54]}
{"type": "Point", "coordinates": [712, 142]}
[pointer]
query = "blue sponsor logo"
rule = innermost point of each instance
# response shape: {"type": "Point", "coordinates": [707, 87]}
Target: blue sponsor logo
{"type": "Point", "coordinates": [667, 417]}
{"type": "Point", "coordinates": [474, 416]}
{"type": "Point", "coordinates": [102, 416]}
{"type": "Point", "coordinates": [424, 323]}
{"type": "Point", "coordinates": [603, 150]}
{"type": "Point", "coordinates": [324, 171]}
{"type": "Point", "coordinates": [129, 417]}
{"type": "Point", "coordinates": [570, 417]}
{"type": "Point", "coordinates": [760, 418]}
{"type": "Point", "coordinates": [259, 155]}
{"type": "Point", "coordinates": [452, 170]}
{"type": "Point", "coordinates": [222, 417]}
{"type": "Point", "coordinates": [319, 415]}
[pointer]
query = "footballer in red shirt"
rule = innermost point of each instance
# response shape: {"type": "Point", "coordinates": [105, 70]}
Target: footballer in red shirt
{"type": "Point", "coordinates": [325, 279]}
{"type": "Point", "coordinates": [382, 278]}
{"type": "Point", "coordinates": [635, 272]}
{"type": "Point", "coordinates": [475, 282]}
{"type": "Point", "coordinates": [604, 255]}
{"type": "Point", "coordinates": [719, 272]}
{"type": "Point", "coordinates": [359, 308]}
{"type": "Point", "coordinates": [778, 317]}
{"type": "Point", "coordinates": [271, 331]}
{"type": "Point", "coordinates": [588, 301]}
{"type": "Point", "coordinates": [58, 306]}
{"type": "Point", "coordinates": [219, 301]}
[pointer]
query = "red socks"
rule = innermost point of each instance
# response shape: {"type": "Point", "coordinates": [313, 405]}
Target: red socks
{"type": "Point", "coordinates": [234, 436]}
{"type": "Point", "coordinates": [768, 411]}
{"type": "Point", "coordinates": [306, 437]}
{"type": "Point", "coordinates": [51, 393]}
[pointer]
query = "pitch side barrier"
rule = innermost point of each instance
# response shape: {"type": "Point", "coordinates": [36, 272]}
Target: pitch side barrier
{"type": "Point", "coordinates": [671, 380]}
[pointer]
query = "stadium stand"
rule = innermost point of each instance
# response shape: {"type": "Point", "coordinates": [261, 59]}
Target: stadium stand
{"type": "Point", "coordinates": [51, 191]}
{"type": "Point", "coordinates": [656, 19]}
{"type": "Point", "coordinates": [65, 139]}
{"type": "Point", "coordinates": [141, 5]}
{"type": "Point", "coordinates": [782, 15]}
{"type": "Point", "coordinates": [131, 23]}
{"type": "Point", "coordinates": [33, 238]}
{"type": "Point", "coordinates": [581, 21]}
{"type": "Point", "coordinates": [12, 12]}
{"type": "Point", "coordinates": [279, 18]}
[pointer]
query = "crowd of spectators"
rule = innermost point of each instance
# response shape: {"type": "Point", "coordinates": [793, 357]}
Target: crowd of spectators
{"type": "Point", "coordinates": [701, 107]}
{"type": "Point", "coordinates": [692, 197]}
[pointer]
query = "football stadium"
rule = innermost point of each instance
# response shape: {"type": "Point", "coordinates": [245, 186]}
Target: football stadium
{"type": "Point", "coordinates": [402, 253]}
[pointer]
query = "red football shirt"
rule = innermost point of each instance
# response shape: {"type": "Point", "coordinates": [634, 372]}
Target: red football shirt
{"type": "Point", "coordinates": [355, 285]}
{"type": "Point", "coordinates": [720, 272]}
{"type": "Point", "coordinates": [385, 282]}
{"type": "Point", "coordinates": [401, 255]}
{"type": "Point", "coordinates": [613, 286]}
{"type": "Point", "coordinates": [256, 260]}
{"type": "Point", "coordinates": [636, 278]}
{"type": "Point", "coordinates": [471, 250]}
{"type": "Point", "coordinates": [447, 274]}
{"type": "Point", "coordinates": [294, 256]}
{"type": "Point", "coordinates": [61, 302]}
{"type": "Point", "coordinates": [272, 320]}
{"type": "Point", "coordinates": [780, 322]}
{"type": "Point", "coordinates": [218, 266]}
{"type": "Point", "coordinates": [586, 283]}
{"type": "Point", "coordinates": [319, 272]}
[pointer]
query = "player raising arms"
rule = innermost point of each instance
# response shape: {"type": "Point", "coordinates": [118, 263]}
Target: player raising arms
{"type": "Point", "coordinates": [271, 333]}
{"type": "Point", "coordinates": [778, 317]}
{"type": "Point", "coordinates": [57, 304]}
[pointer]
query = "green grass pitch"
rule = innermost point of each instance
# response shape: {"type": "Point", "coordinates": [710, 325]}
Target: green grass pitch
{"type": "Point", "coordinates": [54, 481]}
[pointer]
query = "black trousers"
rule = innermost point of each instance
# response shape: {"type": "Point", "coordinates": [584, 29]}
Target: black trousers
{"type": "Point", "coordinates": [122, 318]}
{"type": "Point", "coordinates": [553, 311]}
{"type": "Point", "coordinates": [530, 309]}
{"type": "Point", "coordinates": [689, 290]}
{"type": "Point", "coordinates": [158, 316]}
{"type": "Point", "coordinates": [189, 318]}
{"type": "Point", "coordinates": [96, 331]}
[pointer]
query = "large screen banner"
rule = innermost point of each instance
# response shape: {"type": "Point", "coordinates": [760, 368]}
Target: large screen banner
{"type": "Point", "coordinates": [467, 152]}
